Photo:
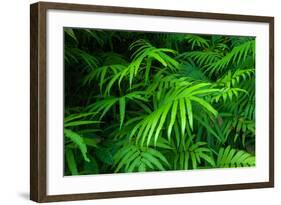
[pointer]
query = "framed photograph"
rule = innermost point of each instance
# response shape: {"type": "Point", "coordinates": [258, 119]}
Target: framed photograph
{"type": "Point", "coordinates": [134, 102]}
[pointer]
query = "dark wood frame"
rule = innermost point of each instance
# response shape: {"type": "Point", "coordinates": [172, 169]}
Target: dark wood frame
{"type": "Point", "coordinates": [38, 97]}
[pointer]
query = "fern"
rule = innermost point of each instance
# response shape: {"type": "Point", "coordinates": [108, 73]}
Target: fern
{"type": "Point", "coordinates": [193, 153]}
{"type": "Point", "coordinates": [226, 94]}
{"type": "Point", "coordinates": [143, 50]}
{"type": "Point", "coordinates": [77, 140]}
{"type": "Point", "coordinates": [237, 55]}
{"type": "Point", "coordinates": [196, 41]}
{"type": "Point", "coordinates": [103, 106]}
{"type": "Point", "coordinates": [148, 101]}
{"type": "Point", "coordinates": [231, 80]}
{"type": "Point", "coordinates": [79, 55]}
{"type": "Point", "coordinates": [131, 158]}
{"type": "Point", "coordinates": [230, 157]}
{"type": "Point", "coordinates": [203, 58]}
{"type": "Point", "coordinates": [71, 163]}
{"type": "Point", "coordinates": [112, 65]}
{"type": "Point", "coordinates": [178, 102]}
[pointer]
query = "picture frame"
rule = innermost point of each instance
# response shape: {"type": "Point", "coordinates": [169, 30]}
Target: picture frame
{"type": "Point", "coordinates": [43, 83]}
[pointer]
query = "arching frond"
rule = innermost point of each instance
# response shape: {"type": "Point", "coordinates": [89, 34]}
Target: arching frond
{"type": "Point", "coordinates": [203, 58]}
{"type": "Point", "coordinates": [178, 102]}
{"type": "Point", "coordinates": [101, 107]}
{"type": "Point", "coordinates": [113, 64]}
{"type": "Point", "coordinates": [131, 158]}
{"type": "Point", "coordinates": [70, 33]}
{"type": "Point", "coordinates": [192, 73]}
{"type": "Point", "coordinates": [244, 128]}
{"type": "Point", "coordinates": [226, 94]}
{"type": "Point", "coordinates": [230, 157]}
{"type": "Point", "coordinates": [196, 41]}
{"type": "Point", "coordinates": [236, 55]}
{"type": "Point", "coordinates": [192, 154]}
{"type": "Point", "coordinates": [163, 82]}
{"type": "Point", "coordinates": [77, 140]}
{"type": "Point", "coordinates": [234, 78]}
{"type": "Point", "coordinates": [79, 55]}
{"type": "Point", "coordinates": [143, 50]}
{"type": "Point", "coordinates": [96, 35]}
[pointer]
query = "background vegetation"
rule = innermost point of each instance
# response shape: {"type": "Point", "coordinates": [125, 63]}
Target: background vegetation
{"type": "Point", "coordinates": [140, 101]}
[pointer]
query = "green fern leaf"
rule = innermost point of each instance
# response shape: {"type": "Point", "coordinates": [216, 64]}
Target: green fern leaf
{"type": "Point", "coordinates": [78, 140]}
{"type": "Point", "coordinates": [230, 157]}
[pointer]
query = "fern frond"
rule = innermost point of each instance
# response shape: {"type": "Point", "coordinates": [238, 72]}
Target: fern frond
{"type": "Point", "coordinates": [77, 140]}
{"type": "Point", "coordinates": [226, 94]}
{"type": "Point", "coordinates": [77, 55]}
{"type": "Point", "coordinates": [145, 51]}
{"type": "Point", "coordinates": [233, 79]}
{"type": "Point", "coordinates": [101, 107]}
{"type": "Point", "coordinates": [164, 82]}
{"type": "Point", "coordinates": [230, 157]}
{"type": "Point", "coordinates": [71, 162]}
{"type": "Point", "coordinates": [104, 74]}
{"type": "Point", "coordinates": [131, 158]}
{"type": "Point", "coordinates": [244, 128]}
{"type": "Point", "coordinates": [95, 35]}
{"type": "Point", "coordinates": [194, 154]}
{"type": "Point", "coordinates": [196, 41]}
{"type": "Point", "coordinates": [113, 64]}
{"type": "Point", "coordinates": [71, 33]}
{"type": "Point", "coordinates": [192, 73]}
{"type": "Point", "coordinates": [203, 58]}
{"type": "Point", "coordinates": [179, 101]}
{"type": "Point", "coordinates": [237, 55]}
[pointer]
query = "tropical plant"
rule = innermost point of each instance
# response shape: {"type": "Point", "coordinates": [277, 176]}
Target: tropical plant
{"type": "Point", "coordinates": [141, 101]}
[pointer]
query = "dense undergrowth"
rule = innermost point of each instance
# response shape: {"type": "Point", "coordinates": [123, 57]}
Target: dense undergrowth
{"type": "Point", "coordinates": [140, 101]}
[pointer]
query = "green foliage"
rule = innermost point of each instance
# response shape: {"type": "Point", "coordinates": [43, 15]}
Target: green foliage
{"type": "Point", "coordinates": [132, 158]}
{"type": "Point", "coordinates": [236, 56]}
{"type": "Point", "coordinates": [192, 153]}
{"type": "Point", "coordinates": [77, 140]}
{"type": "Point", "coordinates": [196, 41]}
{"type": "Point", "coordinates": [230, 157]}
{"type": "Point", "coordinates": [140, 101]}
{"type": "Point", "coordinates": [178, 102]}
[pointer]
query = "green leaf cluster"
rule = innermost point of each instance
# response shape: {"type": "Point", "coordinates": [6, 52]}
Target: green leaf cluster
{"type": "Point", "coordinates": [143, 101]}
